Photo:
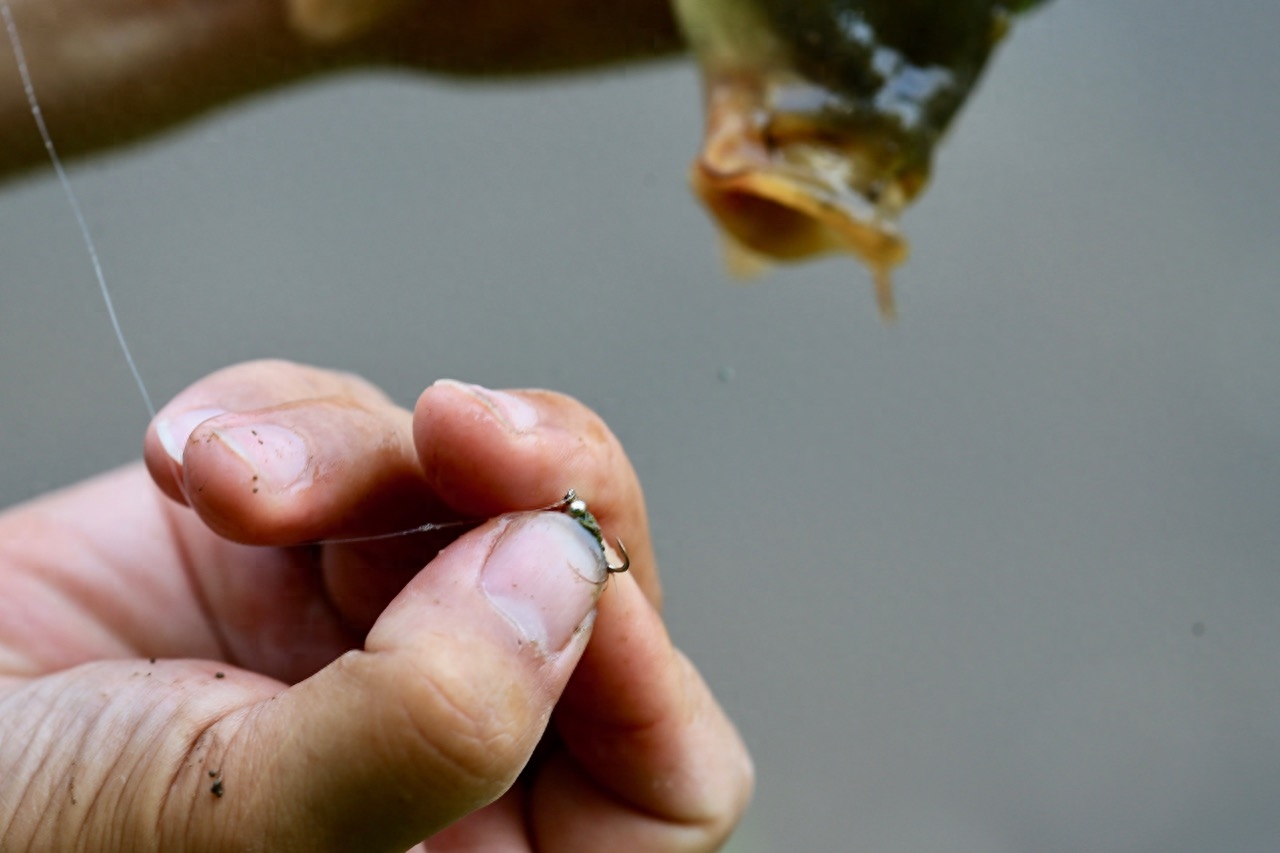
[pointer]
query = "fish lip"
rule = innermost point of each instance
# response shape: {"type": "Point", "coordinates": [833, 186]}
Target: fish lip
{"type": "Point", "coordinates": [788, 217]}
{"type": "Point", "coordinates": [788, 200]}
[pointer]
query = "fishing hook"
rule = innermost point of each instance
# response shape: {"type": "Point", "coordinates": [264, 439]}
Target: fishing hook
{"type": "Point", "coordinates": [576, 508]}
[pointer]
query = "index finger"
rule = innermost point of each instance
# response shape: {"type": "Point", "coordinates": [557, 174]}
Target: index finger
{"type": "Point", "coordinates": [488, 452]}
{"type": "Point", "coordinates": [492, 36]}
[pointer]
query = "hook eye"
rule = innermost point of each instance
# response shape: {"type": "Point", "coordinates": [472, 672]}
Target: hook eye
{"type": "Point", "coordinates": [576, 508]}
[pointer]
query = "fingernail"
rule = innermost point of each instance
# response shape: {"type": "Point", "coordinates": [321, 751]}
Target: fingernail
{"type": "Point", "coordinates": [279, 457]}
{"type": "Point", "coordinates": [175, 431]}
{"type": "Point", "coordinates": [544, 575]}
{"type": "Point", "coordinates": [514, 413]}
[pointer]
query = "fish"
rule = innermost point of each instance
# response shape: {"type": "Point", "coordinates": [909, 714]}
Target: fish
{"type": "Point", "coordinates": [822, 117]}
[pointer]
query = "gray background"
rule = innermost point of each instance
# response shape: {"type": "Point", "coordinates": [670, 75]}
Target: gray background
{"type": "Point", "coordinates": [1003, 577]}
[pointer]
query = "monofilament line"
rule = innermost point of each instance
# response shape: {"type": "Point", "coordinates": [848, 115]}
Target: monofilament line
{"type": "Point", "coordinates": [36, 113]}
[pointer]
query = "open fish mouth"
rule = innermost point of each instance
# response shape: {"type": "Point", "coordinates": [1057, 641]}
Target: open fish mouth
{"type": "Point", "coordinates": [823, 115]}
{"type": "Point", "coordinates": [789, 193]}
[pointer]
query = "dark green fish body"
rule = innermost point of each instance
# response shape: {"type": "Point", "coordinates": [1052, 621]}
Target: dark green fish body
{"type": "Point", "coordinates": [822, 115]}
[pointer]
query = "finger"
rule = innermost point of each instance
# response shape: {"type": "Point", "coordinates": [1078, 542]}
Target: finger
{"type": "Point", "coordinates": [241, 388]}
{"type": "Point", "coordinates": [487, 452]}
{"type": "Point", "coordinates": [634, 712]}
{"type": "Point", "coordinates": [274, 453]}
{"type": "Point", "coordinates": [489, 36]}
{"type": "Point", "coordinates": [499, 826]}
{"type": "Point", "coordinates": [431, 721]}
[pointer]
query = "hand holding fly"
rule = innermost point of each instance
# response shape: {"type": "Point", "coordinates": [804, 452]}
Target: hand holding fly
{"type": "Point", "coordinates": [192, 672]}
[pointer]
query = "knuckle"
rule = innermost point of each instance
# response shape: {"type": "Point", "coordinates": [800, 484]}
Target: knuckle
{"type": "Point", "coordinates": [478, 729]}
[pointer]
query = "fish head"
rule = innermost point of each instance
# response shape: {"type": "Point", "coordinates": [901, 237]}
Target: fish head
{"type": "Point", "coordinates": [787, 177]}
{"type": "Point", "coordinates": [823, 115]}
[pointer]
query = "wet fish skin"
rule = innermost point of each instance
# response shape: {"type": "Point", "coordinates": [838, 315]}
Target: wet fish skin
{"type": "Point", "coordinates": [903, 66]}
{"type": "Point", "coordinates": [823, 115]}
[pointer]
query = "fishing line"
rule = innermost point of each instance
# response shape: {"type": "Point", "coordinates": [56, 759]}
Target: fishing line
{"type": "Point", "coordinates": [34, 103]}
{"type": "Point", "coordinates": [569, 504]}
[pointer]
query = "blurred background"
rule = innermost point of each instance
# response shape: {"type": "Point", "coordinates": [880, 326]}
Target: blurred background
{"type": "Point", "coordinates": [1002, 577]}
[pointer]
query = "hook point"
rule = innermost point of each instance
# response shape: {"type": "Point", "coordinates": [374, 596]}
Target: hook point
{"type": "Point", "coordinates": [626, 559]}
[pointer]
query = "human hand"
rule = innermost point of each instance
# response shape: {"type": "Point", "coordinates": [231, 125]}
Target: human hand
{"type": "Point", "coordinates": [489, 36]}
{"type": "Point", "coordinates": [111, 71]}
{"type": "Point", "coordinates": [162, 687]}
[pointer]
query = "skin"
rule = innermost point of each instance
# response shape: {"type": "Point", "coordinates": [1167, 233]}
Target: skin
{"type": "Point", "coordinates": [111, 71]}
{"type": "Point", "coordinates": [183, 668]}
{"type": "Point", "coordinates": [371, 694]}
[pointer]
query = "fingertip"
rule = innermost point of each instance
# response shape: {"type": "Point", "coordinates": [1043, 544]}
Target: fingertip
{"type": "Point", "coordinates": [243, 480]}
{"type": "Point", "coordinates": [165, 473]}
{"type": "Point", "coordinates": [253, 386]}
{"type": "Point", "coordinates": [513, 412]}
{"type": "Point", "coordinates": [300, 471]}
{"type": "Point", "coordinates": [482, 450]}
{"type": "Point", "coordinates": [493, 451]}
{"type": "Point", "coordinates": [485, 453]}
{"type": "Point", "coordinates": [165, 444]}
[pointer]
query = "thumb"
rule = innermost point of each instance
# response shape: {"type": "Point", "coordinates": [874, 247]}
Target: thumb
{"type": "Point", "coordinates": [435, 718]}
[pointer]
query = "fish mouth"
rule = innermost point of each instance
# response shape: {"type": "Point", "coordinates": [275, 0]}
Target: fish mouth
{"type": "Point", "coordinates": [785, 188]}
